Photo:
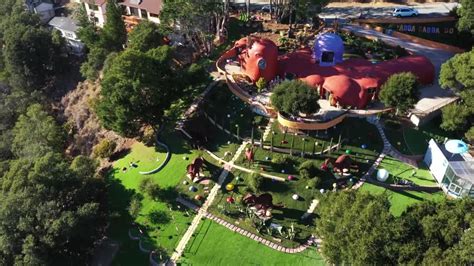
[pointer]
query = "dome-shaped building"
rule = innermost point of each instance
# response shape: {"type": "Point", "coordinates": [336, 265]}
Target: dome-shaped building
{"type": "Point", "coordinates": [328, 49]}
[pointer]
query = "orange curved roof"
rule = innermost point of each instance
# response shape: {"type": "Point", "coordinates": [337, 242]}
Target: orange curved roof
{"type": "Point", "coordinates": [314, 80]}
{"type": "Point", "coordinates": [344, 89]}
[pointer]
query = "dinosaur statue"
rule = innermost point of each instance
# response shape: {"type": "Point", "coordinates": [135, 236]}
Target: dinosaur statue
{"type": "Point", "coordinates": [249, 155]}
{"type": "Point", "coordinates": [262, 204]}
{"type": "Point", "coordinates": [342, 162]}
{"type": "Point", "coordinates": [194, 169]}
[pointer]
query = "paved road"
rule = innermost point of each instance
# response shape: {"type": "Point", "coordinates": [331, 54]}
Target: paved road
{"type": "Point", "coordinates": [425, 10]}
{"type": "Point", "coordinates": [432, 97]}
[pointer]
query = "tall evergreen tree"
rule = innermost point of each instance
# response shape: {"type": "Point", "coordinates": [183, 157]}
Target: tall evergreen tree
{"type": "Point", "coordinates": [114, 32]}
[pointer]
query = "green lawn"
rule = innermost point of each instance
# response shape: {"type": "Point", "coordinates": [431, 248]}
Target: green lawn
{"type": "Point", "coordinates": [414, 141]}
{"type": "Point", "coordinates": [281, 192]}
{"type": "Point", "coordinates": [230, 111]}
{"type": "Point", "coordinates": [400, 170]}
{"type": "Point", "coordinates": [353, 132]}
{"type": "Point", "coordinates": [401, 200]}
{"type": "Point", "coordinates": [164, 227]}
{"type": "Point", "coordinates": [213, 244]}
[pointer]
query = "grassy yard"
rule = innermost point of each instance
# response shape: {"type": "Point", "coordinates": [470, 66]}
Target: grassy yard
{"type": "Point", "coordinates": [232, 113]}
{"type": "Point", "coordinates": [414, 141]}
{"type": "Point", "coordinates": [163, 226]}
{"type": "Point", "coordinates": [213, 244]}
{"type": "Point", "coordinates": [401, 200]}
{"type": "Point", "coordinates": [290, 212]}
{"type": "Point", "coordinates": [400, 170]}
{"type": "Point", "coordinates": [353, 132]}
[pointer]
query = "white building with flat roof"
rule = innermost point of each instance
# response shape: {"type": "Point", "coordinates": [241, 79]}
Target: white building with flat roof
{"type": "Point", "coordinates": [453, 172]}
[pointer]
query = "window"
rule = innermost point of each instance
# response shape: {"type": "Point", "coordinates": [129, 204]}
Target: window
{"type": "Point", "coordinates": [153, 15]}
{"type": "Point", "coordinates": [134, 11]}
{"type": "Point", "coordinates": [94, 7]}
{"type": "Point", "coordinates": [455, 189]}
{"type": "Point", "coordinates": [327, 57]}
{"type": "Point", "coordinates": [371, 90]}
{"type": "Point", "coordinates": [262, 64]}
{"type": "Point", "coordinates": [144, 14]}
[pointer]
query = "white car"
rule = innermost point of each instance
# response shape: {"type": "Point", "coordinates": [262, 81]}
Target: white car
{"type": "Point", "coordinates": [404, 12]}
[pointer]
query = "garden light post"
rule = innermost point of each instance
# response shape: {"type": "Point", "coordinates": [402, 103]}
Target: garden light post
{"type": "Point", "coordinates": [292, 143]}
{"type": "Point", "coordinates": [251, 135]}
{"type": "Point", "coordinates": [271, 141]}
{"type": "Point", "coordinates": [330, 146]}
{"type": "Point", "coordinates": [304, 147]}
{"type": "Point", "coordinates": [314, 148]}
{"type": "Point", "coordinates": [237, 128]}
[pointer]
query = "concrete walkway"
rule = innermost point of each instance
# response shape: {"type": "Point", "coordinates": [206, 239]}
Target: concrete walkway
{"type": "Point", "coordinates": [203, 210]}
{"type": "Point", "coordinates": [432, 97]}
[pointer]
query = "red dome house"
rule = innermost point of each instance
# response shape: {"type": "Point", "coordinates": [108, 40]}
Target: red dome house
{"type": "Point", "coordinates": [349, 83]}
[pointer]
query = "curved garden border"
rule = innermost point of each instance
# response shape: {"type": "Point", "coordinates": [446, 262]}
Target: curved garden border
{"type": "Point", "coordinates": [163, 164]}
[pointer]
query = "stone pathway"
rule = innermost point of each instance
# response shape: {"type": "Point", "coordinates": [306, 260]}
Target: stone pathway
{"type": "Point", "coordinates": [389, 149]}
{"type": "Point", "coordinates": [201, 212]}
{"type": "Point", "coordinates": [268, 129]}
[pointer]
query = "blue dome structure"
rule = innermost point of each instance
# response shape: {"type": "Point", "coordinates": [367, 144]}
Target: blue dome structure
{"type": "Point", "coordinates": [328, 49]}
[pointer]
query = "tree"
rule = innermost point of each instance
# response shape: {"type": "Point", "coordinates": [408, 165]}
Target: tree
{"type": "Point", "coordinates": [470, 135]}
{"type": "Point", "coordinates": [87, 32]}
{"type": "Point", "coordinates": [261, 84]}
{"type": "Point", "coordinates": [114, 33]}
{"type": "Point", "coordinates": [456, 73]}
{"type": "Point", "coordinates": [29, 56]}
{"type": "Point", "coordinates": [455, 117]}
{"type": "Point", "coordinates": [294, 97]}
{"type": "Point", "coordinates": [255, 181]}
{"type": "Point", "coordinates": [145, 36]}
{"type": "Point", "coordinates": [355, 227]}
{"type": "Point", "coordinates": [36, 133]}
{"type": "Point", "coordinates": [49, 213]}
{"type": "Point", "coordinates": [95, 61]}
{"type": "Point", "coordinates": [200, 21]}
{"type": "Point", "coordinates": [296, 10]}
{"type": "Point", "coordinates": [136, 90]}
{"type": "Point", "coordinates": [104, 149]}
{"type": "Point", "coordinates": [466, 16]}
{"type": "Point", "coordinates": [400, 91]}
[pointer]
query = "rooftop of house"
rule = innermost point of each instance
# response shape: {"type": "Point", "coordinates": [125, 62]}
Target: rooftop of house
{"type": "Point", "coordinates": [94, 2]}
{"type": "Point", "coordinates": [152, 6]}
{"type": "Point", "coordinates": [462, 164]}
{"type": "Point", "coordinates": [63, 23]}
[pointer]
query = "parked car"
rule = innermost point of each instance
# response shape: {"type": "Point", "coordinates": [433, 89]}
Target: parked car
{"type": "Point", "coordinates": [404, 12]}
{"type": "Point", "coordinates": [266, 9]}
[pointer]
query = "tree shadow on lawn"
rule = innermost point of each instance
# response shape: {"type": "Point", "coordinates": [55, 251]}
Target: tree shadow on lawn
{"type": "Point", "coordinates": [274, 186]}
{"type": "Point", "coordinates": [158, 217]}
{"type": "Point", "coordinates": [120, 154]}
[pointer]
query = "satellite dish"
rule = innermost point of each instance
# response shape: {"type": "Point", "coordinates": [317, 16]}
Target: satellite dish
{"type": "Point", "coordinates": [456, 146]}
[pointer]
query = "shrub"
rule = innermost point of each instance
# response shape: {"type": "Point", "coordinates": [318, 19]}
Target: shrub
{"type": "Point", "coordinates": [282, 160]}
{"type": "Point", "coordinates": [135, 207]}
{"type": "Point", "coordinates": [294, 97]}
{"type": "Point", "coordinates": [400, 91]}
{"type": "Point", "coordinates": [104, 149]}
{"type": "Point", "coordinates": [314, 182]}
{"type": "Point", "coordinates": [261, 83]}
{"type": "Point", "coordinates": [148, 136]}
{"type": "Point", "coordinates": [254, 182]}
{"type": "Point", "coordinates": [308, 169]}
